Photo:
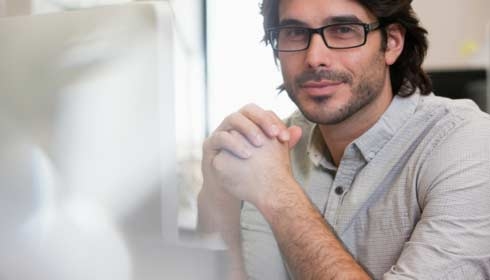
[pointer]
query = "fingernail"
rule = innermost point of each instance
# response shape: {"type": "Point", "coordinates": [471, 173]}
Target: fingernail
{"type": "Point", "coordinates": [246, 153]}
{"type": "Point", "coordinates": [258, 141]}
{"type": "Point", "coordinates": [284, 135]}
{"type": "Point", "coordinates": [274, 130]}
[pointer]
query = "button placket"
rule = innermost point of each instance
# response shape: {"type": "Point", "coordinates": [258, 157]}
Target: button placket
{"type": "Point", "coordinates": [348, 168]}
{"type": "Point", "coordinates": [339, 190]}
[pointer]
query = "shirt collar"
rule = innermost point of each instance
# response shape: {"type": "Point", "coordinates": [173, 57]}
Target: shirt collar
{"type": "Point", "coordinates": [371, 142]}
{"type": "Point", "coordinates": [397, 114]}
{"type": "Point", "coordinates": [318, 151]}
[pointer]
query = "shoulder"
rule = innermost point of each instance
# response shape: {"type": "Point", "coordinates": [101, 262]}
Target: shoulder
{"type": "Point", "coordinates": [448, 125]}
{"type": "Point", "coordinates": [446, 108]}
{"type": "Point", "coordinates": [453, 190]}
{"type": "Point", "coordinates": [455, 152]}
{"type": "Point", "coordinates": [453, 124]}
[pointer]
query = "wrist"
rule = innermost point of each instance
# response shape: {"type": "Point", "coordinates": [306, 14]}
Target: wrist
{"type": "Point", "coordinates": [285, 194]}
{"type": "Point", "coordinates": [217, 195]}
{"type": "Point", "coordinates": [216, 208]}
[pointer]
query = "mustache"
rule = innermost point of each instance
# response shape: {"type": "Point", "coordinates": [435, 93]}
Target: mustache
{"type": "Point", "coordinates": [317, 76]}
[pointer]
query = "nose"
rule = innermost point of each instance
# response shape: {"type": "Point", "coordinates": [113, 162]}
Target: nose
{"type": "Point", "coordinates": [318, 55]}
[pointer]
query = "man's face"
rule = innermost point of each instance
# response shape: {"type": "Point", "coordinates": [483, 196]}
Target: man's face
{"type": "Point", "coordinates": [331, 85]}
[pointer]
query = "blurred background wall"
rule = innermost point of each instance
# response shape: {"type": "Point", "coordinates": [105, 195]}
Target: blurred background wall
{"type": "Point", "coordinates": [457, 36]}
{"type": "Point", "coordinates": [459, 47]}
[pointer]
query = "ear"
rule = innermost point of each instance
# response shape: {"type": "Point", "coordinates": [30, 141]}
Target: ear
{"type": "Point", "coordinates": [394, 42]}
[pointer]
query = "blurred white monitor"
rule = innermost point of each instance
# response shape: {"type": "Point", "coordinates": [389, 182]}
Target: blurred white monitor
{"type": "Point", "coordinates": [87, 141]}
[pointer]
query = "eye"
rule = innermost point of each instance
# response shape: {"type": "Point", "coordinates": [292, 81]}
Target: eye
{"type": "Point", "coordinates": [293, 33]}
{"type": "Point", "coordinates": [344, 31]}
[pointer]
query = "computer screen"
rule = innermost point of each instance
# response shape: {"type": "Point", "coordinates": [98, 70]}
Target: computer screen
{"type": "Point", "coordinates": [461, 83]}
{"type": "Point", "coordinates": [88, 143]}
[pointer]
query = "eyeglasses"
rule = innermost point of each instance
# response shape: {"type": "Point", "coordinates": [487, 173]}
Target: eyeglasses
{"type": "Point", "coordinates": [335, 36]}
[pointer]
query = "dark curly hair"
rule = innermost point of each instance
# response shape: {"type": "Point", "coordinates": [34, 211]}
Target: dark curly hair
{"type": "Point", "coordinates": [406, 73]}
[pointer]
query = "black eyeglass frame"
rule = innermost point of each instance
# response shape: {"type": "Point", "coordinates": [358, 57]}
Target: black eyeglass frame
{"type": "Point", "coordinates": [367, 27]}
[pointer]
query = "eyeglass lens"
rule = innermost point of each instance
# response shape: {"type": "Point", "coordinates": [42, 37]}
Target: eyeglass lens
{"type": "Point", "coordinates": [335, 36]}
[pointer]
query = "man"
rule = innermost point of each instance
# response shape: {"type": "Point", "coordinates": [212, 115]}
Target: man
{"type": "Point", "coordinates": [383, 179]}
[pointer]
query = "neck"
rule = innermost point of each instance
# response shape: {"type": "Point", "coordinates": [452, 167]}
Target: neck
{"type": "Point", "coordinates": [338, 136]}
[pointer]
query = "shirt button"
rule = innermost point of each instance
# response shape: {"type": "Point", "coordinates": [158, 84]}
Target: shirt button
{"type": "Point", "coordinates": [339, 190]}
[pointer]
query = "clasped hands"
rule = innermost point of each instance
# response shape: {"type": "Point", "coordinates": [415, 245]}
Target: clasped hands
{"type": "Point", "coordinates": [247, 156]}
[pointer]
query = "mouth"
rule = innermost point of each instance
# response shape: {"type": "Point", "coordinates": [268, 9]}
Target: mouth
{"type": "Point", "coordinates": [322, 88]}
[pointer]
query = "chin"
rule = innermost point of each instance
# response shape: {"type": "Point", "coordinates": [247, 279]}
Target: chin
{"type": "Point", "coordinates": [321, 113]}
{"type": "Point", "coordinates": [325, 119]}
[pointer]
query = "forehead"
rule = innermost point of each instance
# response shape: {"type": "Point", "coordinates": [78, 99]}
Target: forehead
{"type": "Point", "coordinates": [320, 12]}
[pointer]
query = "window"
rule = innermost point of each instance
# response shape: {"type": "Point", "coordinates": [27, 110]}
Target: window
{"type": "Point", "coordinates": [241, 68]}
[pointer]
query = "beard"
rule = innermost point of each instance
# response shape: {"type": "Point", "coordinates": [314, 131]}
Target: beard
{"type": "Point", "coordinates": [364, 90]}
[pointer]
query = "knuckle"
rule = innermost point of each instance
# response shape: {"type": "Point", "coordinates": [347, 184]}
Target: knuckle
{"type": "Point", "coordinates": [217, 162]}
{"type": "Point", "coordinates": [219, 138]}
{"type": "Point", "coordinates": [214, 140]}
{"type": "Point", "coordinates": [234, 118]}
{"type": "Point", "coordinates": [229, 118]}
{"type": "Point", "coordinates": [208, 143]}
{"type": "Point", "coordinates": [249, 107]}
{"type": "Point", "coordinates": [273, 115]}
{"type": "Point", "coordinates": [277, 121]}
{"type": "Point", "coordinates": [251, 110]}
{"type": "Point", "coordinates": [235, 133]}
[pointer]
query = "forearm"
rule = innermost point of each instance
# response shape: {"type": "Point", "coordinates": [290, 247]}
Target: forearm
{"type": "Point", "coordinates": [219, 213]}
{"type": "Point", "coordinates": [310, 247]}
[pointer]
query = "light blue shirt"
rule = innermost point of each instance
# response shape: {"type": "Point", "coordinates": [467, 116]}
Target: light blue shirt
{"type": "Point", "coordinates": [410, 198]}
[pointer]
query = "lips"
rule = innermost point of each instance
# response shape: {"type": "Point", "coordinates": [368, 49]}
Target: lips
{"type": "Point", "coordinates": [321, 88]}
{"type": "Point", "coordinates": [321, 84]}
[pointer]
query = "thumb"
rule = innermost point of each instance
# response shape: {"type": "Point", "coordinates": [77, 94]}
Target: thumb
{"type": "Point", "coordinates": [294, 135]}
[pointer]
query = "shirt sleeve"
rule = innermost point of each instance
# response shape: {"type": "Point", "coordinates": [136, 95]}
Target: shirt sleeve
{"type": "Point", "coordinates": [452, 238]}
{"type": "Point", "coordinates": [261, 253]}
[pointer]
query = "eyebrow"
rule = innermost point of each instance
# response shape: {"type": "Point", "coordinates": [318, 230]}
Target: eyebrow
{"type": "Point", "coordinates": [329, 20]}
{"type": "Point", "coordinates": [343, 19]}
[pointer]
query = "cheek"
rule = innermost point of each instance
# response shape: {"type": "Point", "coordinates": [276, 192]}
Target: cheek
{"type": "Point", "coordinates": [352, 62]}
{"type": "Point", "coordinates": [289, 68]}
{"type": "Point", "coordinates": [359, 65]}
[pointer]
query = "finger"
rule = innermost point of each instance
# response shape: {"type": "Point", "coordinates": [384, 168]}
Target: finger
{"type": "Point", "coordinates": [232, 142]}
{"type": "Point", "coordinates": [240, 123]}
{"type": "Point", "coordinates": [226, 165]}
{"type": "Point", "coordinates": [266, 121]}
{"type": "Point", "coordinates": [283, 134]}
{"type": "Point", "coordinates": [295, 133]}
